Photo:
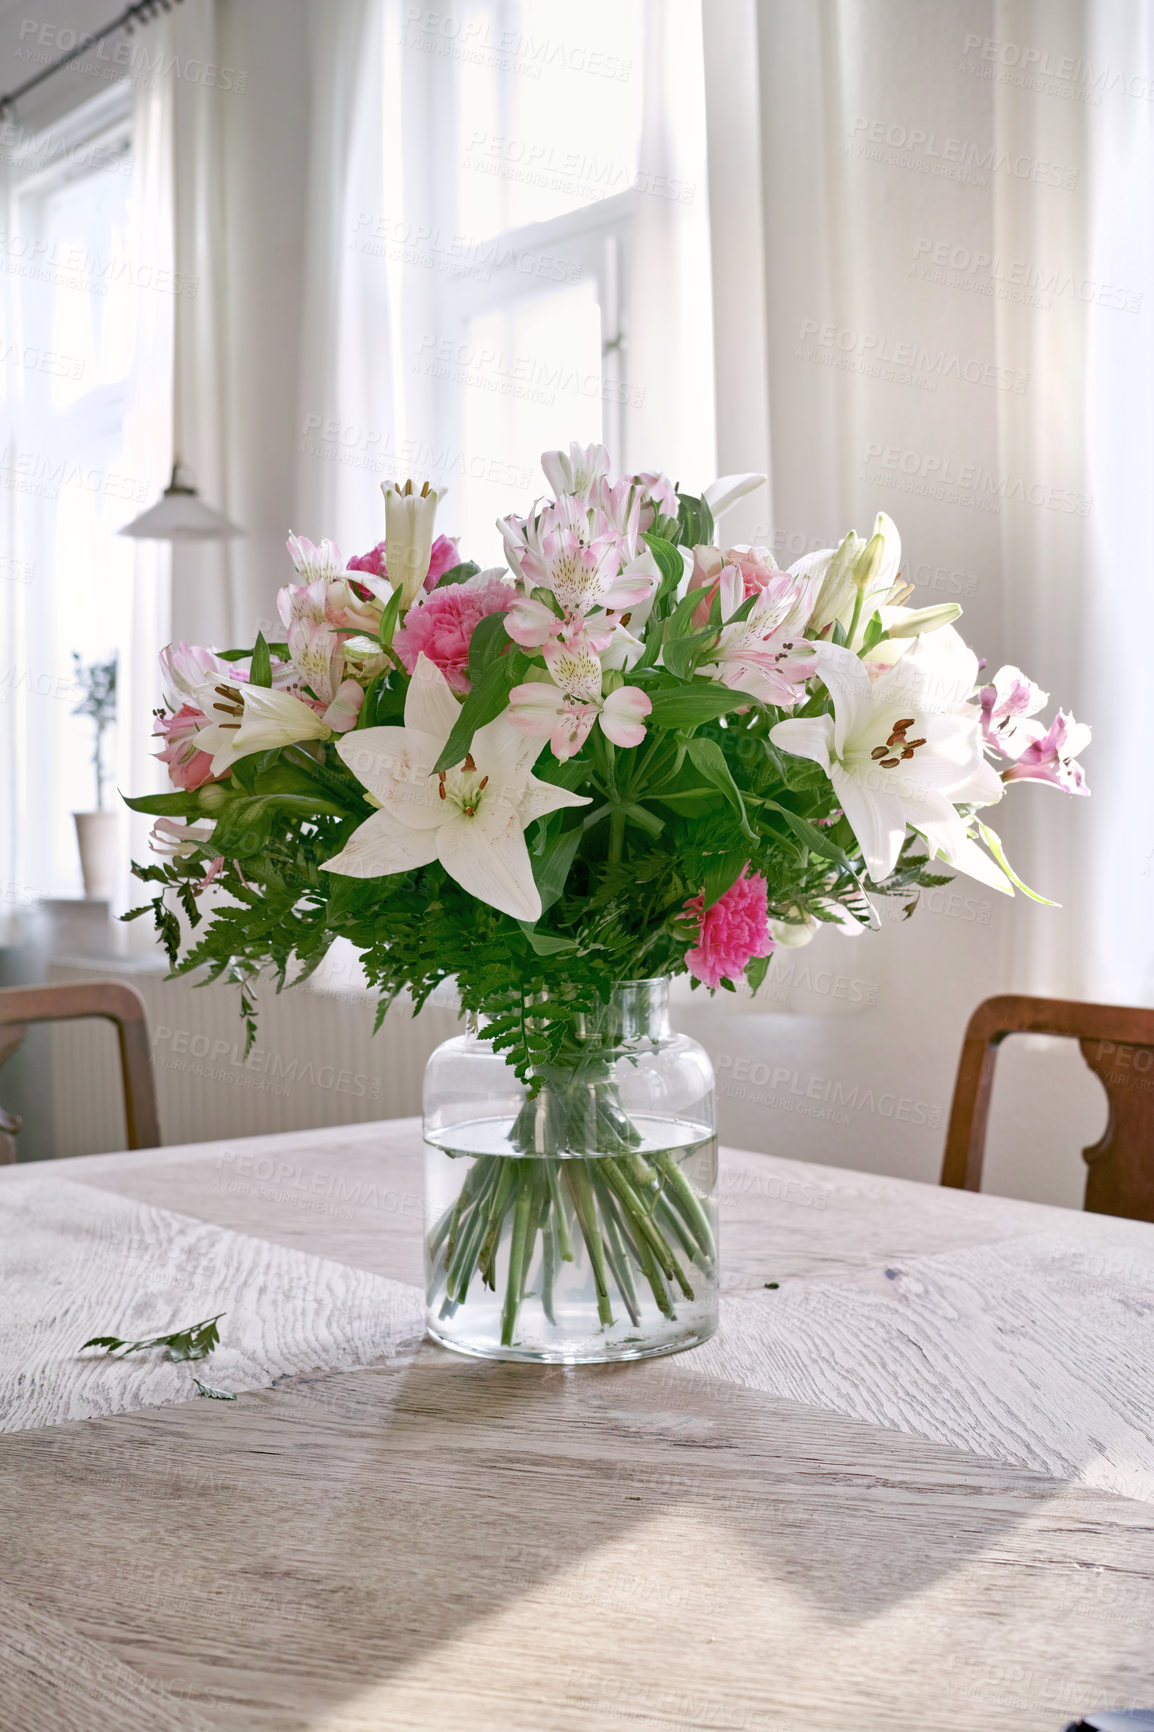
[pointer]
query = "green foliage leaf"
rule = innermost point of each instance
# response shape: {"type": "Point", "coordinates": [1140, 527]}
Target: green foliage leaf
{"type": "Point", "coordinates": [690, 802]}
{"type": "Point", "coordinates": [994, 843]}
{"type": "Point", "coordinates": [817, 841]}
{"type": "Point", "coordinates": [722, 872]}
{"type": "Point", "coordinates": [457, 574]}
{"type": "Point", "coordinates": [690, 705]}
{"type": "Point", "coordinates": [389, 615]}
{"type": "Point", "coordinates": [488, 698]}
{"type": "Point", "coordinates": [553, 868]}
{"type": "Point", "coordinates": [709, 760]}
{"type": "Point", "coordinates": [695, 520]}
{"type": "Point", "coordinates": [488, 641]}
{"type": "Point", "coordinates": [260, 670]}
{"type": "Point", "coordinates": [546, 943]}
{"type": "Point", "coordinates": [194, 1342]}
{"type": "Point", "coordinates": [668, 560]}
{"type": "Point", "coordinates": [182, 802]}
{"type": "Point", "coordinates": [280, 650]}
{"type": "Point", "coordinates": [756, 971]}
{"type": "Point", "coordinates": [213, 1394]}
{"type": "Point", "coordinates": [244, 827]}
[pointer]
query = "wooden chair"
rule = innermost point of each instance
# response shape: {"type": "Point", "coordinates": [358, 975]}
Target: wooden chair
{"type": "Point", "coordinates": [121, 1004]}
{"type": "Point", "coordinates": [1118, 1045]}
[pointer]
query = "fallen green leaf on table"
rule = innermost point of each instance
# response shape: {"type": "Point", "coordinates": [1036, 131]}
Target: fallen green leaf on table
{"type": "Point", "coordinates": [213, 1394]}
{"type": "Point", "coordinates": [195, 1342]}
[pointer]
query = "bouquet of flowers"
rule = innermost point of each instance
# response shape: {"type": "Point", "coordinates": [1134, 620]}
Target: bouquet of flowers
{"type": "Point", "coordinates": [634, 752]}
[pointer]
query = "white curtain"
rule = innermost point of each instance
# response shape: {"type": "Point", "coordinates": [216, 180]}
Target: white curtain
{"type": "Point", "coordinates": [952, 234]}
{"type": "Point", "coordinates": [670, 358]}
{"type": "Point", "coordinates": [347, 418]}
{"type": "Point", "coordinates": [148, 451]}
{"type": "Point", "coordinates": [941, 220]}
{"type": "Point", "coordinates": [15, 576]}
{"type": "Point", "coordinates": [1118, 601]}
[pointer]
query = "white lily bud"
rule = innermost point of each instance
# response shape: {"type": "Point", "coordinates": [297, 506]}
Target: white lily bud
{"type": "Point", "coordinates": [833, 572]}
{"type": "Point", "coordinates": [923, 619]}
{"type": "Point", "coordinates": [869, 562]}
{"type": "Point", "coordinates": [409, 520]}
{"type": "Point", "coordinates": [794, 934]}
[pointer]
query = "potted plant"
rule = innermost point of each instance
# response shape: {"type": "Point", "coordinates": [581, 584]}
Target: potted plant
{"type": "Point", "coordinates": [96, 831]}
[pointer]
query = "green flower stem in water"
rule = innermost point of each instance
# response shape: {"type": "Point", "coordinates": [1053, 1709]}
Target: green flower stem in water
{"type": "Point", "coordinates": [581, 1190]}
{"type": "Point", "coordinates": [564, 1242]}
{"type": "Point", "coordinates": [524, 1229]}
{"type": "Point", "coordinates": [616, 1251]}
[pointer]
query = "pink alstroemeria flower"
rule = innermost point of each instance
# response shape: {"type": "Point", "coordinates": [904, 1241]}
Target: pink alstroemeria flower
{"type": "Point", "coordinates": [757, 574]}
{"type": "Point", "coordinates": [658, 494]}
{"type": "Point", "coordinates": [577, 471]}
{"type": "Point", "coordinates": [1007, 702]}
{"type": "Point", "coordinates": [765, 653]}
{"type": "Point", "coordinates": [342, 713]}
{"type": "Point", "coordinates": [314, 559]}
{"type": "Point", "coordinates": [187, 667]}
{"type": "Point", "coordinates": [1050, 756]}
{"type": "Point", "coordinates": [574, 666]}
{"type": "Point", "coordinates": [544, 710]}
{"type": "Point", "coordinates": [188, 766]}
{"type": "Point", "coordinates": [178, 840]}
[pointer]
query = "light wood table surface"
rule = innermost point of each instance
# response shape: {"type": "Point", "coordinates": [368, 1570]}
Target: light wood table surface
{"type": "Point", "coordinates": [910, 1488]}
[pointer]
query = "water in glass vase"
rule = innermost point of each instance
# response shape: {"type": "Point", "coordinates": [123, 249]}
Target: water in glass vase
{"type": "Point", "coordinates": [571, 1256]}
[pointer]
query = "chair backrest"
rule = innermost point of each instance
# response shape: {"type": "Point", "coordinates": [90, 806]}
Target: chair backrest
{"type": "Point", "coordinates": [119, 1003]}
{"type": "Point", "coordinates": [1117, 1043]}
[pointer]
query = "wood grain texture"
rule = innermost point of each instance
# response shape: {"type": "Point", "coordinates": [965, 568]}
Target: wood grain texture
{"type": "Point", "coordinates": [831, 1518]}
{"type": "Point", "coordinates": [441, 1544]}
{"type": "Point", "coordinates": [1037, 1350]}
{"type": "Point", "coordinates": [79, 1262]}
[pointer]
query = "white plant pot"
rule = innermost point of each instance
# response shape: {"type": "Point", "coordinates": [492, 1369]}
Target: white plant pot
{"type": "Point", "coordinates": [96, 836]}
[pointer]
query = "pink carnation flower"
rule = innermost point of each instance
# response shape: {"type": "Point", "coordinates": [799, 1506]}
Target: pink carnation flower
{"type": "Point", "coordinates": [187, 767]}
{"type": "Point", "coordinates": [443, 558]}
{"type": "Point", "coordinates": [441, 626]}
{"type": "Point", "coordinates": [373, 561]}
{"type": "Point", "coordinates": [732, 932]}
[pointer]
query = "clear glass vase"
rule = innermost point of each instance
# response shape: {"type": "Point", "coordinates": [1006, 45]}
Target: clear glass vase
{"type": "Point", "coordinates": [575, 1221]}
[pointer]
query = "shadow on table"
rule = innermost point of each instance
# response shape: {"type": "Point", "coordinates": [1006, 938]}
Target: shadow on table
{"type": "Point", "coordinates": [321, 1539]}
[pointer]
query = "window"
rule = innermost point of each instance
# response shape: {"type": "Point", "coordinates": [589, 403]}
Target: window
{"type": "Point", "coordinates": [68, 351]}
{"type": "Point", "coordinates": [522, 343]}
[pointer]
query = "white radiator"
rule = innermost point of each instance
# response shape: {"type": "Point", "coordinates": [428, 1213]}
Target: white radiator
{"type": "Point", "coordinates": [315, 1060]}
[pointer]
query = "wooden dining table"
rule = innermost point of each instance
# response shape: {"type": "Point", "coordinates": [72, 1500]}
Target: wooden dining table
{"type": "Point", "coordinates": [909, 1484]}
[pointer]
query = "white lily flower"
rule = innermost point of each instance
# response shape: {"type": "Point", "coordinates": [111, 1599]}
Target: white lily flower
{"type": "Point", "coordinates": [471, 818]}
{"type": "Point", "coordinates": [259, 718]}
{"type": "Point", "coordinates": [409, 520]}
{"type": "Point", "coordinates": [904, 748]}
{"type": "Point", "coordinates": [728, 489]}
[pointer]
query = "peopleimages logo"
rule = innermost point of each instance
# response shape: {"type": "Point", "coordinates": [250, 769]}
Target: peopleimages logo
{"type": "Point", "coordinates": [926, 363]}
{"type": "Point", "coordinates": [950, 158]}
{"type": "Point", "coordinates": [1035, 64]}
{"type": "Point", "coordinates": [969, 484]}
{"type": "Point", "coordinates": [991, 274]}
